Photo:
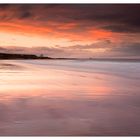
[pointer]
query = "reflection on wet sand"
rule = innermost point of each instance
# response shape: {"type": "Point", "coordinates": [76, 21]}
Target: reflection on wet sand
{"type": "Point", "coordinates": [49, 100]}
{"type": "Point", "coordinates": [5, 66]}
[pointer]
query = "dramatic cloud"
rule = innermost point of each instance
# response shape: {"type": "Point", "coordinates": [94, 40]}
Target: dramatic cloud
{"type": "Point", "coordinates": [84, 13]}
{"type": "Point", "coordinates": [80, 30]}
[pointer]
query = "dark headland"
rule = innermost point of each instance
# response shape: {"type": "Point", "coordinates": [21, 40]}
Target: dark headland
{"type": "Point", "coordinates": [21, 56]}
{"type": "Point", "coordinates": [10, 56]}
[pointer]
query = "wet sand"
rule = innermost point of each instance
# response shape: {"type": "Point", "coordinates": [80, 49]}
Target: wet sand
{"type": "Point", "coordinates": [69, 98]}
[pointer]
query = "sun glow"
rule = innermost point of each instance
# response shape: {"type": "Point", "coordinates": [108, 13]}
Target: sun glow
{"type": "Point", "coordinates": [14, 39]}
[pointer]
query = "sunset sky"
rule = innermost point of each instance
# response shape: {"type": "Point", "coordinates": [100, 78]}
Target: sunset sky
{"type": "Point", "coordinates": [78, 30]}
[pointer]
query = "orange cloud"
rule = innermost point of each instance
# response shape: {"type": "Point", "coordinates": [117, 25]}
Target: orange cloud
{"type": "Point", "coordinates": [56, 34]}
{"type": "Point", "coordinates": [23, 28]}
{"type": "Point", "coordinates": [68, 26]}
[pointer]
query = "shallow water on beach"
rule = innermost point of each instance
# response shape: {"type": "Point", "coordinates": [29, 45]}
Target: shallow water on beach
{"type": "Point", "coordinates": [69, 97]}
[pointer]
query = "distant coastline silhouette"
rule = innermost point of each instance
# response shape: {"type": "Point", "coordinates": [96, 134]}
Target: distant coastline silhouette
{"type": "Point", "coordinates": [21, 56]}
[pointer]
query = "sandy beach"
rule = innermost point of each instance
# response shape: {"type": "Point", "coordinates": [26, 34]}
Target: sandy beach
{"type": "Point", "coordinates": [69, 98]}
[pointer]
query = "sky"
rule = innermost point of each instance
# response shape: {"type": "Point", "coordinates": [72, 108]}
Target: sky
{"type": "Point", "coordinates": [71, 30]}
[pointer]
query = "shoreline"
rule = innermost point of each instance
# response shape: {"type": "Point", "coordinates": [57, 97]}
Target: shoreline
{"type": "Point", "coordinates": [79, 59]}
